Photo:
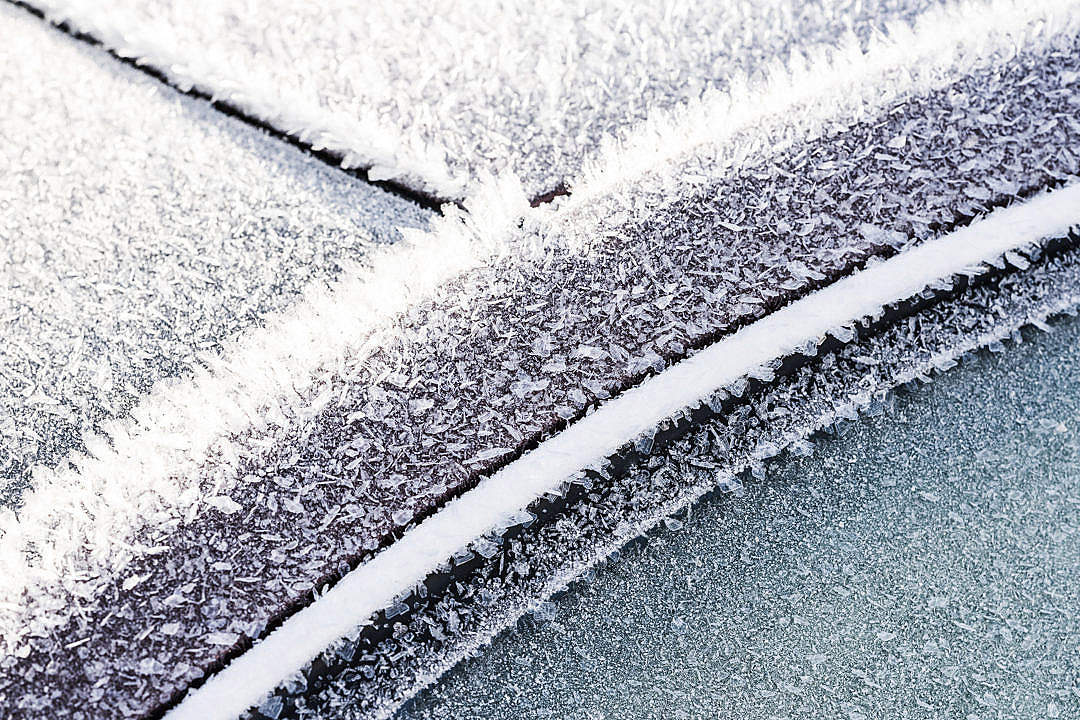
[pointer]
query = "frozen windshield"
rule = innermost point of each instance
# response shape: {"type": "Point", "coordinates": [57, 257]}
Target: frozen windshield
{"type": "Point", "coordinates": [925, 564]}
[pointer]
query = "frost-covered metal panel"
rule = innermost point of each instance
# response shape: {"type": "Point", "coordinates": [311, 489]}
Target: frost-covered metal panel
{"type": "Point", "coordinates": [332, 432]}
{"type": "Point", "coordinates": [437, 96]}
{"type": "Point", "coordinates": [499, 501]}
{"type": "Point", "coordinates": [140, 231]}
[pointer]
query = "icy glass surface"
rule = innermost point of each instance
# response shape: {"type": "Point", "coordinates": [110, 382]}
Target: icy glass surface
{"type": "Point", "coordinates": [925, 564]}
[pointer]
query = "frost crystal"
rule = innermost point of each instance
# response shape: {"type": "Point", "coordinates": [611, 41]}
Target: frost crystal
{"type": "Point", "coordinates": [315, 437]}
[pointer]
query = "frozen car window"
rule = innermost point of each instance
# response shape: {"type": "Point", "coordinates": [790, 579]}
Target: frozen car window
{"type": "Point", "coordinates": [924, 564]}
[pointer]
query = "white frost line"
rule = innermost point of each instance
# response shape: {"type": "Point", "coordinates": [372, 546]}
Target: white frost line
{"type": "Point", "coordinates": [499, 498]}
{"type": "Point", "coordinates": [145, 472]}
{"type": "Point", "coordinates": [390, 153]}
{"type": "Point", "coordinates": [77, 530]}
{"type": "Point", "coordinates": [624, 533]}
{"type": "Point", "coordinates": [835, 81]}
{"type": "Point", "coordinates": [810, 94]}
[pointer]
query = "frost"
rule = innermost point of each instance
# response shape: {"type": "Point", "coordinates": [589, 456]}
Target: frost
{"type": "Point", "coordinates": [766, 450]}
{"type": "Point", "coordinates": [398, 608]}
{"type": "Point", "coordinates": [1017, 260]}
{"type": "Point", "coordinates": [544, 612]}
{"type": "Point", "coordinates": [680, 288]}
{"type": "Point", "coordinates": [521, 517]}
{"type": "Point", "coordinates": [490, 454]}
{"type": "Point", "coordinates": [644, 444]}
{"type": "Point", "coordinates": [419, 407]}
{"type": "Point", "coordinates": [132, 581]}
{"type": "Point", "coordinates": [485, 548]}
{"type": "Point", "coordinates": [884, 236]}
{"type": "Point", "coordinates": [295, 683]}
{"type": "Point", "coordinates": [222, 638]}
{"type": "Point", "coordinates": [272, 707]}
{"type": "Point", "coordinates": [476, 114]}
{"type": "Point", "coordinates": [590, 352]}
{"type": "Point", "coordinates": [224, 503]}
{"type": "Point", "coordinates": [524, 388]}
{"type": "Point", "coordinates": [762, 373]}
{"type": "Point", "coordinates": [843, 334]}
{"type": "Point", "coordinates": [592, 518]}
{"type": "Point", "coordinates": [150, 666]}
{"type": "Point", "coordinates": [729, 482]}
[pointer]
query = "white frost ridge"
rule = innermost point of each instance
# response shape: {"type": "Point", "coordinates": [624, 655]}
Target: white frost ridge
{"type": "Point", "coordinates": [432, 101]}
{"type": "Point", "coordinates": [498, 499]}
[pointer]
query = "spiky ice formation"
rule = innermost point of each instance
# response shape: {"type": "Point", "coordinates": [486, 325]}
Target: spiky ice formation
{"type": "Point", "coordinates": [435, 101]}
